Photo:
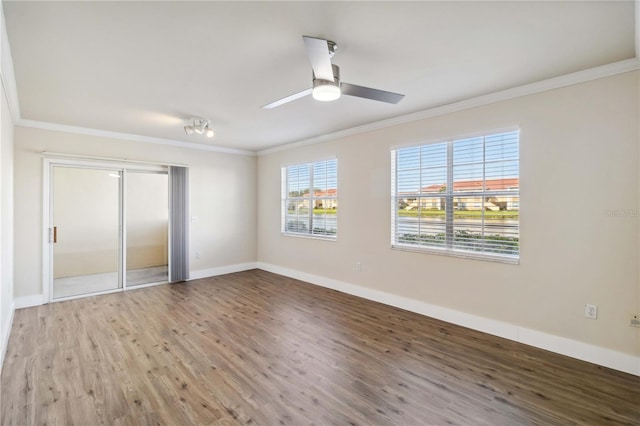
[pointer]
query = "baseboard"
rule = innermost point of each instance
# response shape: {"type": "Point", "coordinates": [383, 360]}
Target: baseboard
{"type": "Point", "coordinates": [221, 270]}
{"type": "Point", "coordinates": [5, 335]}
{"type": "Point", "coordinates": [28, 301]}
{"type": "Point", "coordinates": [580, 350]}
{"type": "Point", "coordinates": [561, 345]}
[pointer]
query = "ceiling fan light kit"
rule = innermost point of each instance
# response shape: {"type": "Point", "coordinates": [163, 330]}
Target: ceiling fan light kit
{"type": "Point", "coordinates": [200, 127]}
{"type": "Point", "coordinates": [326, 78]}
{"type": "Point", "coordinates": [327, 90]}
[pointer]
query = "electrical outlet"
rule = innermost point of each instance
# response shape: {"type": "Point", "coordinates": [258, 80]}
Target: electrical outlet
{"type": "Point", "coordinates": [591, 311]}
{"type": "Point", "coordinates": [358, 266]}
{"type": "Point", "coordinates": [635, 320]}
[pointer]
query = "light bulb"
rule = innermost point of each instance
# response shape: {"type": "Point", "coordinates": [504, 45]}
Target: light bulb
{"type": "Point", "coordinates": [209, 133]}
{"type": "Point", "coordinates": [326, 92]}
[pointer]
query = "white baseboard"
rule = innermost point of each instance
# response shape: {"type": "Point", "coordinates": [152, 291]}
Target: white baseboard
{"type": "Point", "coordinates": [5, 335]}
{"type": "Point", "coordinates": [580, 350]}
{"type": "Point", "coordinates": [583, 351]}
{"type": "Point", "coordinates": [28, 301]}
{"type": "Point", "coordinates": [221, 270]}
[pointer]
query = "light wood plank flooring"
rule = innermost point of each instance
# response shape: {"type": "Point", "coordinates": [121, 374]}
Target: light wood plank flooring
{"type": "Point", "coordinates": [258, 348]}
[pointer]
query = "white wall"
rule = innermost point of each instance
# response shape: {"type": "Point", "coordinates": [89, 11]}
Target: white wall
{"type": "Point", "coordinates": [6, 195]}
{"type": "Point", "coordinates": [6, 213]}
{"type": "Point", "coordinates": [6, 225]}
{"type": "Point", "coordinates": [222, 196]}
{"type": "Point", "coordinates": [579, 159]}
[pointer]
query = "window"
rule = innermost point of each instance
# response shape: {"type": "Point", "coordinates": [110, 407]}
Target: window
{"type": "Point", "coordinates": [459, 197]}
{"type": "Point", "coordinates": [310, 199]}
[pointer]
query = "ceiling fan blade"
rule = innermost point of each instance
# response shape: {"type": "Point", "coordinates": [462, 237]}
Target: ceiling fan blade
{"type": "Point", "coordinates": [369, 93]}
{"type": "Point", "coordinates": [318, 53]}
{"type": "Point", "coordinates": [288, 99]}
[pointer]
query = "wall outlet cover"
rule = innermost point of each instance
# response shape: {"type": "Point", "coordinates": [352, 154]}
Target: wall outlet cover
{"type": "Point", "coordinates": [591, 311]}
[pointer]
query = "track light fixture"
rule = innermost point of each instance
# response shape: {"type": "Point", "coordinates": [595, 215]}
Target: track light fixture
{"type": "Point", "coordinates": [200, 127]}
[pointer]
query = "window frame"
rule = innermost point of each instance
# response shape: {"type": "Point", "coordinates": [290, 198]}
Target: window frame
{"type": "Point", "coordinates": [450, 194]}
{"type": "Point", "coordinates": [285, 199]}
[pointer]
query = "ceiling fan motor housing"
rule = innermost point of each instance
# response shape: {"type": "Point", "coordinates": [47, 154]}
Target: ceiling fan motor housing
{"type": "Point", "coordinates": [336, 78]}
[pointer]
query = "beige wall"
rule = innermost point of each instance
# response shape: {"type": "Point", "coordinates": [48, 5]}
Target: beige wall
{"type": "Point", "coordinates": [222, 196]}
{"type": "Point", "coordinates": [147, 220]}
{"type": "Point", "coordinates": [579, 159]}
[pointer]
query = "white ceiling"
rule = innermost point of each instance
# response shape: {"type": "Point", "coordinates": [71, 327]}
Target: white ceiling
{"type": "Point", "coordinates": [145, 68]}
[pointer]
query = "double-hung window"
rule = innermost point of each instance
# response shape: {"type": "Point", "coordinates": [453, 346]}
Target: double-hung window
{"type": "Point", "coordinates": [310, 199]}
{"type": "Point", "coordinates": [458, 197]}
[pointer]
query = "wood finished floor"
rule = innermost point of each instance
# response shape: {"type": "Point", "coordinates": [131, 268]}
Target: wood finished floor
{"type": "Point", "coordinates": [259, 348]}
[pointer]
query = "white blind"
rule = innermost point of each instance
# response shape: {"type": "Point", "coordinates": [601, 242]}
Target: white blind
{"type": "Point", "coordinates": [310, 199]}
{"type": "Point", "coordinates": [459, 196]}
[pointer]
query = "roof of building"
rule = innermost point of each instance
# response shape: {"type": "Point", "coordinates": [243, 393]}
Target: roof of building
{"type": "Point", "coordinates": [474, 185]}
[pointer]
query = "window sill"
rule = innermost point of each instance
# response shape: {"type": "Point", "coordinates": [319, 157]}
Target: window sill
{"type": "Point", "coordinates": [308, 236]}
{"type": "Point", "coordinates": [511, 260]}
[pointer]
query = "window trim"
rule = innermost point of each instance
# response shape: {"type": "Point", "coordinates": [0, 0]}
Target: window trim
{"type": "Point", "coordinates": [512, 260]}
{"type": "Point", "coordinates": [284, 199]}
{"type": "Point", "coordinates": [448, 250]}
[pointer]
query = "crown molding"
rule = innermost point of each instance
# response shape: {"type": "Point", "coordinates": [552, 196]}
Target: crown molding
{"type": "Point", "coordinates": [603, 71]}
{"type": "Point", "coordinates": [128, 137]}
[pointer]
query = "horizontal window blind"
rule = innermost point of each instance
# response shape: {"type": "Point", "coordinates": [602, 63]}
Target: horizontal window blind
{"type": "Point", "coordinates": [310, 199]}
{"type": "Point", "coordinates": [459, 196]}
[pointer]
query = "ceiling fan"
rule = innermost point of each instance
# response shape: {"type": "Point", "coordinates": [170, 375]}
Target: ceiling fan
{"type": "Point", "coordinates": [326, 78]}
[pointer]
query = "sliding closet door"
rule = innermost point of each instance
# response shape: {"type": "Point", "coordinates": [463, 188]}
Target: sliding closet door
{"type": "Point", "coordinates": [113, 226]}
{"type": "Point", "coordinates": [147, 230]}
{"type": "Point", "coordinates": [86, 228]}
